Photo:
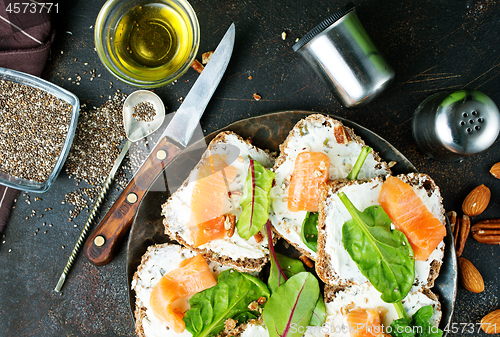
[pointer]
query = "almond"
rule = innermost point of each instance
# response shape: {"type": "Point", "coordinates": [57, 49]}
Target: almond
{"type": "Point", "coordinates": [470, 277]}
{"type": "Point", "coordinates": [495, 170]}
{"type": "Point", "coordinates": [477, 201]}
{"type": "Point", "coordinates": [491, 322]}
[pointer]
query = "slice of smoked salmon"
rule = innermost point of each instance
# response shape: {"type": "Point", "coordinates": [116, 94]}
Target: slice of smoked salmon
{"type": "Point", "coordinates": [310, 171]}
{"type": "Point", "coordinates": [364, 323]}
{"type": "Point", "coordinates": [210, 199]}
{"type": "Point", "coordinates": [409, 215]}
{"type": "Point", "coordinates": [209, 230]}
{"type": "Point", "coordinates": [192, 276]}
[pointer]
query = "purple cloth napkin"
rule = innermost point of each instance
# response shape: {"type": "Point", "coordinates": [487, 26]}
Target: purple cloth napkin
{"type": "Point", "coordinates": [25, 40]}
{"type": "Point", "coordinates": [7, 197]}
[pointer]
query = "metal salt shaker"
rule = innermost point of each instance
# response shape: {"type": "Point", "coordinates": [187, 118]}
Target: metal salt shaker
{"type": "Point", "coordinates": [448, 126]}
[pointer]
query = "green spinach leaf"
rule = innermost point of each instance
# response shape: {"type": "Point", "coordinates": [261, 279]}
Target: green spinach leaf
{"type": "Point", "coordinates": [309, 232]}
{"type": "Point", "coordinates": [229, 298]}
{"type": "Point", "coordinates": [255, 200]}
{"type": "Point", "coordinates": [422, 318]}
{"type": "Point", "coordinates": [284, 267]}
{"type": "Point", "coordinates": [291, 306]}
{"type": "Point", "coordinates": [353, 175]}
{"type": "Point", "coordinates": [383, 255]}
{"type": "Point", "coordinates": [319, 314]}
{"type": "Point", "coordinates": [289, 267]}
{"type": "Point", "coordinates": [276, 275]}
{"type": "Point", "coordinates": [417, 326]}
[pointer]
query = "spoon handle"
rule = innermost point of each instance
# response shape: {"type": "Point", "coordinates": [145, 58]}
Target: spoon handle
{"type": "Point", "coordinates": [101, 245]}
{"type": "Point", "coordinates": [100, 197]}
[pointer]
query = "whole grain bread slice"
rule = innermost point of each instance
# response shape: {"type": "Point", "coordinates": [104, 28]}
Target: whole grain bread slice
{"type": "Point", "coordinates": [243, 255]}
{"type": "Point", "coordinates": [318, 133]}
{"type": "Point", "coordinates": [334, 265]}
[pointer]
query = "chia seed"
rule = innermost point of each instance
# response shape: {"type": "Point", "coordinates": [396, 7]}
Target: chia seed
{"type": "Point", "coordinates": [33, 129]}
{"type": "Point", "coordinates": [96, 143]}
{"type": "Point", "coordinates": [144, 111]}
{"type": "Point", "coordinates": [95, 149]}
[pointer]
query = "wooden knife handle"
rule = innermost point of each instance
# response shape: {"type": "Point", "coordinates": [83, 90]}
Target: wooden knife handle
{"type": "Point", "coordinates": [101, 246]}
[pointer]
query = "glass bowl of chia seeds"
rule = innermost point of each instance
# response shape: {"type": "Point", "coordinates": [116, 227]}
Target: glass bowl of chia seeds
{"type": "Point", "coordinates": [38, 120]}
{"type": "Point", "coordinates": [147, 43]}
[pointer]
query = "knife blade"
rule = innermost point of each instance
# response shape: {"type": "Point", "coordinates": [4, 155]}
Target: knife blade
{"type": "Point", "coordinates": [102, 244]}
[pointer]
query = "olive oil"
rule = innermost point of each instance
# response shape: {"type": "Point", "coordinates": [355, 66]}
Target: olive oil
{"type": "Point", "coordinates": [153, 40]}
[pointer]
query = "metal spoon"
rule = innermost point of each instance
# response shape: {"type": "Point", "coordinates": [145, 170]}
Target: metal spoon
{"type": "Point", "coordinates": [135, 129]}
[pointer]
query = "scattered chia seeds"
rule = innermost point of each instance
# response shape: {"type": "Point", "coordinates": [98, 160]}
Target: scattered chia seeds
{"type": "Point", "coordinates": [97, 140]}
{"type": "Point", "coordinates": [95, 149]}
{"type": "Point", "coordinates": [144, 111]}
{"type": "Point", "coordinates": [33, 129]}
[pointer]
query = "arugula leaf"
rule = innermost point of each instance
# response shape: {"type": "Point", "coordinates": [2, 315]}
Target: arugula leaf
{"type": "Point", "coordinates": [309, 232]}
{"type": "Point", "coordinates": [229, 298]}
{"type": "Point", "coordinates": [384, 256]}
{"type": "Point", "coordinates": [417, 326]}
{"type": "Point", "coordinates": [255, 200]}
{"type": "Point", "coordinates": [291, 305]}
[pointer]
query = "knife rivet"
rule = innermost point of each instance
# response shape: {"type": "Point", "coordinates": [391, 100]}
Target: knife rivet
{"type": "Point", "coordinates": [99, 241]}
{"type": "Point", "coordinates": [132, 198]}
{"type": "Point", "coordinates": [161, 154]}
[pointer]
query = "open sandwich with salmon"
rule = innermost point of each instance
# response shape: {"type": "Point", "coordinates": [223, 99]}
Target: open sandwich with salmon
{"type": "Point", "coordinates": [318, 149]}
{"type": "Point", "coordinates": [377, 240]}
{"type": "Point", "coordinates": [213, 211]}
{"type": "Point", "coordinates": [172, 279]}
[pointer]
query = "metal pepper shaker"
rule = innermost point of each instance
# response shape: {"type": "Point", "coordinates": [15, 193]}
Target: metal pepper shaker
{"type": "Point", "coordinates": [448, 126]}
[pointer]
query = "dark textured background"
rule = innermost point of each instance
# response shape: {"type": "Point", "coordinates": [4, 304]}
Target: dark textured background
{"type": "Point", "coordinates": [432, 45]}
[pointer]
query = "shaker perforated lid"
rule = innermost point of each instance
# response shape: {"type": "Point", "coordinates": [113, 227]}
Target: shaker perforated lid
{"type": "Point", "coordinates": [323, 25]}
{"type": "Point", "coordinates": [451, 125]}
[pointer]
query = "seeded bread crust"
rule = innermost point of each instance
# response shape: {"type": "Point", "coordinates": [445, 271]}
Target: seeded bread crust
{"type": "Point", "coordinates": [140, 309]}
{"type": "Point", "coordinates": [323, 263]}
{"type": "Point", "coordinates": [247, 265]}
{"type": "Point", "coordinates": [343, 135]}
{"type": "Point", "coordinates": [243, 265]}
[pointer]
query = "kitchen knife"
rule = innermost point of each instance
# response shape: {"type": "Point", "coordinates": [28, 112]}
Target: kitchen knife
{"type": "Point", "coordinates": [101, 245]}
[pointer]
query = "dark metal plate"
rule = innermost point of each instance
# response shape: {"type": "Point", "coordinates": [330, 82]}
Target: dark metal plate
{"type": "Point", "coordinates": [267, 132]}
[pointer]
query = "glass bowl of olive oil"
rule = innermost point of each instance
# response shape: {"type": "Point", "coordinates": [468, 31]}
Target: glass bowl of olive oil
{"type": "Point", "coordinates": [147, 43]}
